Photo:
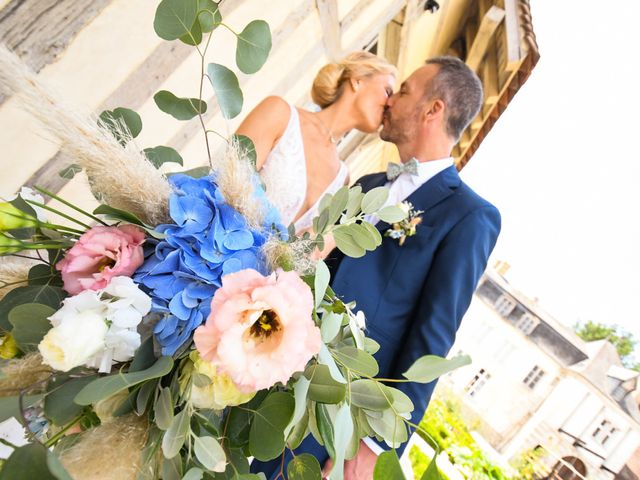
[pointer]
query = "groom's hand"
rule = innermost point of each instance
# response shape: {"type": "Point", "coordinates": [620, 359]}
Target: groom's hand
{"type": "Point", "coordinates": [358, 468]}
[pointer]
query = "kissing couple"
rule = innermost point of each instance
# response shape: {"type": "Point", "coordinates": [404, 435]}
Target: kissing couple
{"type": "Point", "coordinates": [413, 291]}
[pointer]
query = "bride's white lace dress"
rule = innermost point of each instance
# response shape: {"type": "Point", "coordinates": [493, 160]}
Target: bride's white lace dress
{"type": "Point", "coordinates": [284, 174]}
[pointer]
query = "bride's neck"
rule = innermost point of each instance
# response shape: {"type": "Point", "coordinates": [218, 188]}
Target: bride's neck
{"type": "Point", "coordinates": [337, 118]}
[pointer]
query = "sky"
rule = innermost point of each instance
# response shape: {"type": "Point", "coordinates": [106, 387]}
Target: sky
{"type": "Point", "coordinates": [563, 167]}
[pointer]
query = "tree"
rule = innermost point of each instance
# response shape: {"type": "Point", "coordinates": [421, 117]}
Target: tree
{"type": "Point", "coordinates": [624, 341]}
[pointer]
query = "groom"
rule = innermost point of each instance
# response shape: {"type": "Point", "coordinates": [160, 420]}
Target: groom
{"type": "Point", "coordinates": [414, 295]}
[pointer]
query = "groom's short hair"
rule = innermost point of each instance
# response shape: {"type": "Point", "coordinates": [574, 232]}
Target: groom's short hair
{"type": "Point", "coordinates": [461, 90]}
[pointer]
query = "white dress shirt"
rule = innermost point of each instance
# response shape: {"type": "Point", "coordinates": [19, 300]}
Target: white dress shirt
{"type": "Point", "coordinates": [406, 184]}
{"type": "Point", "coordinates": [399, 190]}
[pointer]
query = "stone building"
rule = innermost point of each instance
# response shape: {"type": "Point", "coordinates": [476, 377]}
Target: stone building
{"type": "Point", "coordinates": [535, 384]}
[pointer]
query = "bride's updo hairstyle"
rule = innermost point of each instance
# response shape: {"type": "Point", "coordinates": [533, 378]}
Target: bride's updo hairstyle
{"type": "Point", "coordinates": [331, 79]}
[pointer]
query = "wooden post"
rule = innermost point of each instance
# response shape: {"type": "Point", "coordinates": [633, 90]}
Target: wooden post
{"type": "Point", "coordinates": [331, 34]}
{"type": "Point", "coordinates": [487, 29]}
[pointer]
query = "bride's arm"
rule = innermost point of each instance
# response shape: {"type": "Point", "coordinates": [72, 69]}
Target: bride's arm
{"type": "Point", "coordinates": [264, 125]}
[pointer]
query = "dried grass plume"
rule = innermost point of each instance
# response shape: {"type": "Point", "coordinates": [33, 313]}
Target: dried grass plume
{"type": "Point", "coordinates": [13, 270]}
{"type": "Point", "coordinates": [121, 175]}
{"type": "Point", "coordinates": [21, 373]}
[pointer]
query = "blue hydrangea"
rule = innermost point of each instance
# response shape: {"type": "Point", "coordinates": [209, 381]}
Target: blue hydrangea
{"type": "Point", "coordinates": [208, 240]}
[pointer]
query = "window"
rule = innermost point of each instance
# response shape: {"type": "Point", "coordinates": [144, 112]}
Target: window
{"type": "Point", "coordinates": [527, 323]}
{"type": "Point", "coordinates": [504, 305]}
{"type": "Point", "coordinates": [620, 392]}
{"type": "Point", "coordinates": [533, 377]}
{"type": "Point", "coordinates": [603, 432]}
{"type": "Point", "coordinates": [477, 382]}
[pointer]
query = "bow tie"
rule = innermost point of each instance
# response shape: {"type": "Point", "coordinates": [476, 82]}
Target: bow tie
{"type": "Point", "coordinates": [394, 170]}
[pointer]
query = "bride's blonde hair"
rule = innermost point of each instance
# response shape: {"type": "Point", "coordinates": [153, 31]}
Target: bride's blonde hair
{"type": "Point", "coordinates": [331, 79]}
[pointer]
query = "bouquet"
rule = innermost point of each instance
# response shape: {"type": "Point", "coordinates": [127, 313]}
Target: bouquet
{"type": "Point", "coordinates": [180, 328]}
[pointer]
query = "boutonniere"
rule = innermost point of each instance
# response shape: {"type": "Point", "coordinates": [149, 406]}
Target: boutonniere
{"type": "Point", "coordinates": [407, 227]}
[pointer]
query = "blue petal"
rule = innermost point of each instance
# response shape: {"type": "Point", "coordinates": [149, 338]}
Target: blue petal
{"type": "Point", "coordinates": [178, 308]}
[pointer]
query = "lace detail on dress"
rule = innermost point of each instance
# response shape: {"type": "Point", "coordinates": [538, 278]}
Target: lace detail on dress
{"type": "Point", "coordinates": [284, 172]}
{"type": "Point", "coordinates": [284, 175]}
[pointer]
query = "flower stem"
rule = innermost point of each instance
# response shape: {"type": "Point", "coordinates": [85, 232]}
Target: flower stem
{"type": "Point", "coordinates": [58, 212]}
{"type": "Point", "coordinates": [69, 204]}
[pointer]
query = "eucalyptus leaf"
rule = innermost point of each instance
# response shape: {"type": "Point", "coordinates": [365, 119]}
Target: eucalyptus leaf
{"type": "Point", "coordinates": [208, 15]}
{"type": "Point", "coordinates": [325, 428]}
{"type": "Point", "coordinates": [42, 274]}
{"type": "Point", "coordinates": [117, 214]}
{"type": "Point", "coordinates": [114, 120]}
{"type": "Point", "coordinates": [432, 472]}
{"type": "Point", "coordinates": [371, 346]}
{"type": "Point", "coordinates": [364, 237]}
{"type": "Point", "coordinates": [210, 454]}
{"type": "Point", "coordinates": [179, 108]}
{"type": "Point", "coordinates": [30, 324]}
{"type": "Point", "coordinates": [429, 367]}
{"type": "Point", "coordinates": [338, 204]}
{"type": "Point", "coordinates": [174, 18]}
{"type": "Point", "coordinates": [194, 37]}
{"type": "Point", "coordinates": [172, 468]}
{"type": "Point", "coordinates": [323, 387]}
{"type": "Point", "coordinates": [176, 434]}
{"type": "Point", "coordinates": [254, 45]}
{"type": "Point", "coordinates": [194, 473]}
{"type": "Point", "coordinates": [144, 356]}
{"type": "Point", "coordinates": [389, 426]}
{"type": "Point", "coordinates": [321, 281]}
{"type": "Point", "coordinates": [325, 358]}
{"type": "Point", "coordinates": [247, 148]}
{"type": "Point", "coordinates": [59, 406]}
{"type": "Point", "coordinates": [391, 214]}
{"type": "Point", "coordinates": [29, 462]}
{"type": "Point", "coordinates": [401, 401]}
{"type": "Point", "coordinates": [325, 201]}
{"type": "Point", "coordinates": [330, 326]}
{"type": "Point", "coordinates": [106, 386]}
{"type": "Point", "coordinates": [227, 89]}
{"type": "Point", "coordinates": [370, 394]}
{"type": "Point", "coordinates": [321, 222]}
{"type": "Point", "coordinates": [374, 199]}
{"type": "Point", "coordinates": [163, 409]}
{"type": "Point", "coordinates": [388, 467]}
{"type": "Point", "coordinates": [70, 171]}
{"type": "Point", "coordinates": [160, 155]}
{"type": "Point", "coordinates": [304, 467]}
{"type": "Point", "coordinates": [343, 431]}
{"type": "Point", "coordinates": [355, 199]}
{"type": "Point", "coordinates": [373, 232]}
{"type": "Point", "coordinates": [41, 294]}
{"type": "Point", "coordinates": [299, 431]}
{"type": "Point", "coordinates": [10, 406]}
{"type": "Point", "coordinates": [144, 395]}
{"type": "Point", "coordinates": [300, 390]}
{"type": "Point", "coordinates": [361, 362]}
{"type": "Point", "coordinates": [266, 437]}
{"type": "Point", "coordinates": [345, 242]}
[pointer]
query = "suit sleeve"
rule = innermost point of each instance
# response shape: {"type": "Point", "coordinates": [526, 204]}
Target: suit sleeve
{"type": "Point", "coordinates": [455, 271]}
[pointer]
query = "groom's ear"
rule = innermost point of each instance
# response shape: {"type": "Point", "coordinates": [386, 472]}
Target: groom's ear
{"type": "Point", "coordinates": [433, 109]}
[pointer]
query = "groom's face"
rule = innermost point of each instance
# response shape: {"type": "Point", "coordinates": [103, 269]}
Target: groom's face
{"type": "Point", "coordinates": [402, 119]}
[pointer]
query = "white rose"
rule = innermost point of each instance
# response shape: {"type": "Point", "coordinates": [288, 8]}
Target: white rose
{"type": "Point", "coordinates": [76, 338]}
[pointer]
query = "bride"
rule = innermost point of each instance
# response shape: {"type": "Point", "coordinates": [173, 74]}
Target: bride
{"type": "Point", "coordinates": [297, 157]}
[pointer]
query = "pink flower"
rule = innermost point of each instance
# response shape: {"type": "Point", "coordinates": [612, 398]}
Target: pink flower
{"type": "Point", "coordinates": [99, 255]}
{"type": "Point", "coordinates": [260, 330]}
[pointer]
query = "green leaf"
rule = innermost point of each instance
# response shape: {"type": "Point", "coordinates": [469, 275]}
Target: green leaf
{"type": "Point", "coordinates": [401, 402]}
{"type": "Point", "coordinates": [266, 438]}
{"type": "Point", "coordinates": [370, 394]}
{"type": "Point", "coordinates": [227, 89]}
{"type": "Point", "coordinates": [429, 367]}
{"type": "Point", "coordinates": [56, 468]}
{"type": "Point", "coordinates": [144, 356]}
{"type": "Point", "coordinates": [10, 406]}
{"type": "Point", "coordinates": [388, 467]}
{"type": "Point", "coordinates": [321, 222]}
{"type": "Point", "coordinates": [325, 201]}
{"type": "Point", "coordinates": [179, 108]}
{"type": "Point", "coordinates": [106, 386]}
{"type": "Point", "coordinates": [432, 472]}
{"type": "Point", "coordinates": [42, 294]}
{"type": "Point", "coordinates": [389, 426]}
{"type": "Point", "coordinates": [42, 274]}
{"type": "Point", "coordinates": [343, 432]}
{"type": "Point", "coordinates": [338, 204]}
{"type": "Point", "coordinates": [163, 409]}
{"type": "Point", "coordinates": [172, 468]}
{"type": "Point", "coordinates": [371, 346]}
{"type": "Point", "coordinates": [325, 428]}
{"type": "Point", "coordinates": [355, 199]}
{"type": "Point", "coordinates": [391, 214]}
{"type": "Point", "coordinates": [194, 473]}
{"type": "Point", "coordinates": [358, 360]}
{"type": "Point", "coordinates": [304, 467]}
{"type": "Point", "coordinates": [373, 232]}
{"type": "Point", "coordinates": [160, 155]}
{"type": "Point", "coordinates": [321, 281]}
{"type": "Point", "coordinates": [325, 358]}
{"type": "Point", "coordinates": [300, 390]}
{"type": "Point", "coordinates": [70, 171]}
{"type": "Point", "coordinates": [330, 326]}
{"type": "Point", "coordinates": [117, 214]}
{"type": "Point", "coordinates": [364, 237]}
{"type": "Point", "coordinates": [30, 324]}
{"type": "Point", "coordinates": [175, 436]}
{"type": "Point", "coordinates": [59, 406]}
{"type": "Point", "coordinates": [30, 462]}
{"type": "Point", "coordinates": [114, 119]}
{"type": "Point", "coordinates": [299, 432]}
{"type": "Point", "coordinates": [345, 242]}
{"type": "Point", "coordinates": [374, 199]}
{"type": "Point", "coordinates": [210, 454]}
{"type": "Point", "coordinates": [323, 387]}
{"type": "Point", "coordinates": [247, 148]}
{"type": "Point", "coordinates": [194, 37]}
{"type": "Point", "coordinates": [197, 172]}
{"type": "Point", "coordinates": [174, 18]}
{"type": "Point", "coordinates": [143, 395]}
{"type": "Point", "coordinates": [254, 45]}
{"type": "Point", "coordinates": [209, 15]}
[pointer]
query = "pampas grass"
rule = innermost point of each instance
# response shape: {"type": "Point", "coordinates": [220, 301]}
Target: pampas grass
{"type": "Point", "coordinates": [21, 373]}
{"type": "Point", "coordinates": [111, 451]}
{"type": "Point", "coordinates": [121, 175]}
{"type": "Point", "coordinates": [14, 272]}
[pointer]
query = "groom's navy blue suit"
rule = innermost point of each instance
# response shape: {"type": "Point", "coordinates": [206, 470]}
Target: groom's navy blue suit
{"type": "Point", "coordinates": [414, 296]}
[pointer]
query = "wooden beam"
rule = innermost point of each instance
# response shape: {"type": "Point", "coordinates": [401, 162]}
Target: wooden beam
{"type": "Point", "coordinates": [490, 78]}
{"type": "Point", "coordinates": [376, 26]}
{"type": "Point", "coordinates": [512, 25]}
{"type": "Point", "coordinates": [411, 13]}
{"type": "Point", "coordinates": [487, 29]}
{"type": "Point", "coordinates": [38, 31]}
{"type": "Point", "coordinates": [331, 32]}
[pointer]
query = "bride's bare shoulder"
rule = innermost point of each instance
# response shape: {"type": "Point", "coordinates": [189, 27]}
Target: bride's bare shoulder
{"type": "Point", "coordinates": [273, 107]}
